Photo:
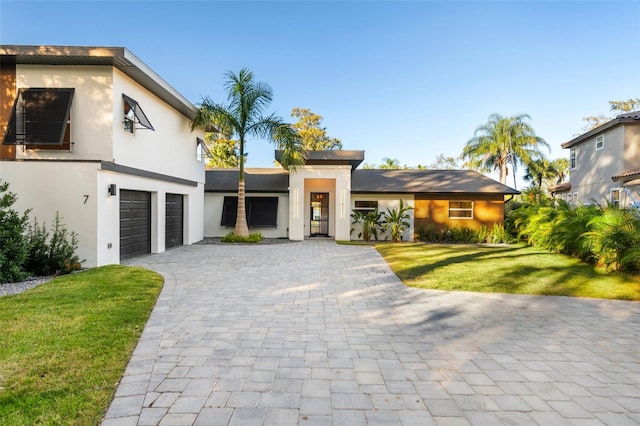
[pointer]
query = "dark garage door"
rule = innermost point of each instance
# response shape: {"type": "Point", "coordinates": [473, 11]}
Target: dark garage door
{"type": "Point", "coordinates": [135, 223]}
{"type": "Point", "coordinates": [174, 221]}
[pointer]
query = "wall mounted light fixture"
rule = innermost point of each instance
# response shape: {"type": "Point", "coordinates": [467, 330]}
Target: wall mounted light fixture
{"type": "Point", "coordinates": [112, 190]}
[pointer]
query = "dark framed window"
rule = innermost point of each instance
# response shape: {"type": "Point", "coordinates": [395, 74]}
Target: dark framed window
{"type": "Point", "coordinates": [262, 212]}
{"type": "Point", "coordinates": [133, 115]}
{"type": "Point", "coordinates": [366, 206]}
{"type": "Point", "coordinates": [202, 151]}
{"type": "Point", "coordinates": [460, 209]}
{"type": "Point", "coordinates": [41, 119]}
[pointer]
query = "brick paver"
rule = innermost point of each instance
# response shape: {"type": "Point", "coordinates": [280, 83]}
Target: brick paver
{"type": "Point", "coordinates": [318, 333]}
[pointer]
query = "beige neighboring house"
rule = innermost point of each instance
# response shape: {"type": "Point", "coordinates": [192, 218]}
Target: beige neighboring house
{"type": "Point", "coordinates": [96, 135]}
{"type": "Point", "coordinates": [604, 164]}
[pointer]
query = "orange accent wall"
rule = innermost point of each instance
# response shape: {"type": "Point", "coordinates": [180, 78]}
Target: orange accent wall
{"type": "Point", "coordinates": [434, 209]}
{"type": "Point", "coordinates": [8, 91]}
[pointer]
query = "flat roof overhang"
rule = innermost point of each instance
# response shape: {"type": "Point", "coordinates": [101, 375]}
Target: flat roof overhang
{"type": "Point", "coordinates": [118, 57]}
{"type": "Point", "coordinates": [330, 158]}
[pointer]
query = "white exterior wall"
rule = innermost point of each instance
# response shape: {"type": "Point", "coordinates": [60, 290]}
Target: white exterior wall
{"type": "Point", "coordinates": [339, 200]}
{"type": "Point", "coordinates": [91, 108]}
{"type": "Point", "coordinates": [109, 212]}
{"type": "Point", "coordinates": [387, 201]}
{"type": "Point", "coordinates": [213, 203]}
{"type": "Point", "coordinates": [69, 188]}
{"type": "Point", "coordinates": [97, 134]}
{"type": "Point", "coordinates": [170, 149]}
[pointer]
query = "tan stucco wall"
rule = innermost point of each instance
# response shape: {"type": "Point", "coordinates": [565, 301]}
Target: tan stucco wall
{"type": "Point", "coordinates": [434, 209]}
{"type": "Point", "coordinates": [591, 179]}
{"type": "Point", "coordinates": [631, 146]}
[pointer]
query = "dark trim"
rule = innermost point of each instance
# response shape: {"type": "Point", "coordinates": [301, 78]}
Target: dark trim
{"type": "Point", "coordinates": [235, 191]}
{"type": "Point", "coordinates": [42, 160]}
{"type": "Point", "coordinates": [145, 173]}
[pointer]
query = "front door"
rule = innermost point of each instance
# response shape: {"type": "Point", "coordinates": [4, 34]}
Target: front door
{"type": "Point", "coordinates": [319, 214]}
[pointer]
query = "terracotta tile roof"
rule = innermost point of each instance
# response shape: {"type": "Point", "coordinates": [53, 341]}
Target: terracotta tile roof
{"type": "Point", "coordinates": [627, 176]}
{"type": "Point", "coordinates": [561, 187]}
{"type": "Point", "coordinates": [628, 117]}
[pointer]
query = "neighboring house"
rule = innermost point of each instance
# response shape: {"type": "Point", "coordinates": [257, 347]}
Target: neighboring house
{"type": "Point", "coordinates": [604, 164]}
{"type": "Point", "coordinates": [96, 135]}
{"type": "Point", "coordinates": [319, 197]}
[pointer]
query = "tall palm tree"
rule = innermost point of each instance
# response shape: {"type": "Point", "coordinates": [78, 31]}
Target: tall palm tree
{"type": "Point", "coordinates": [503, 141]}
{"type": "Point", "coordinates": [243, 116]}
{"type": "Point", "coordinates": [390, 163]}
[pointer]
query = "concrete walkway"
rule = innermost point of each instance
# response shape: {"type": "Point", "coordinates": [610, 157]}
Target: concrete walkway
{"type": "Point", "coordinates": [315, 333]}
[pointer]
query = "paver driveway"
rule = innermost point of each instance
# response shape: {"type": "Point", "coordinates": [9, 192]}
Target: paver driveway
{"type": "Point", "coordinates": [316, 333]}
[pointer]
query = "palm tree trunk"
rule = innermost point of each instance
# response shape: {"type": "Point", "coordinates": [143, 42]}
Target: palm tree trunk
{"type": "Point", "coordinates": [503, 172]}
{"type": "Point", "coordinates": [241, 229]}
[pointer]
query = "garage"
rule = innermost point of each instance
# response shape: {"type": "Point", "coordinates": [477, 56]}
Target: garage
{"type": "Point", "coordinates": [173, 220]}
{"type": "Point", "coordinates": [135, 223]}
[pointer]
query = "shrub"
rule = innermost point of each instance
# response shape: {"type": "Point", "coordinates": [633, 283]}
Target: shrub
{"type": "Point", "coordinates": [429, 234]}
{"type": "Point", "coordinates": [369, 222]}
{"type": "Point", "coordinates": [396, 221]}
{"type": "Point", "coordinates": [614, 238]}
{"type": "Point", "coordinates": [54, 256]}
{"type": "Point", "coordinates": [252, 239]}
{"type": "Point", "coordinates": [13, 244]}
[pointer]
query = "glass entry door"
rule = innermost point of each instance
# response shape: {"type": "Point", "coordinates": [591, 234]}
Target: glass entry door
{"type": "Point", "coordinates": [319, 214]}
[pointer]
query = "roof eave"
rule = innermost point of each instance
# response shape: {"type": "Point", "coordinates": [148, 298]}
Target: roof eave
{"type": "Point", "coordinates": [118, 57]}
{"type": "Point", "coordinates": [599, 129]}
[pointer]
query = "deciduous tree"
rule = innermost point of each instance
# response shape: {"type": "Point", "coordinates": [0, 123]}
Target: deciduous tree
{"type": "Point", "coordinates": [313, 135]}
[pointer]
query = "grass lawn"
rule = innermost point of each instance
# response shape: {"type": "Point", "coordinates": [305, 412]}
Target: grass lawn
{"type": "Point", "coordinates": [504, 269]}
{"type": "Point", "coordinates": [65, 344]}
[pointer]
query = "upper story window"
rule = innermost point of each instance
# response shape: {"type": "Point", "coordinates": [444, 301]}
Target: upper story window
{"type": "Point", "coordinates": [41, 119]}
{"type": "Point", "coordinates": [572, 158]}
{"type": "Point", "coordinates": [202, 151]}
{"type": "Point", "coordinates": [460, 209]}
{"type": "Point", "coordinates": [134, 115]}
{"type": "Point", "coordinates": [599, 142]}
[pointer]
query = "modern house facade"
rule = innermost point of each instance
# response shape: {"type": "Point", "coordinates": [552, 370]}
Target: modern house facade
{"type": "Point", "coordinates": [604, 164]}
{"type": "Point", "coordinates": [95, 134]}
{"type": "Point", "coordinates": [317, 199]}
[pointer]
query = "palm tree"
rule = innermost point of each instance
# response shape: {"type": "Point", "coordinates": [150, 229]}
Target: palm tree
{"type": "Point", "coordinates": [390, 163]}
{"type": "Point", "coordinates": [243, 117]}
{"type": "Point", "coordinates": [503, 141]}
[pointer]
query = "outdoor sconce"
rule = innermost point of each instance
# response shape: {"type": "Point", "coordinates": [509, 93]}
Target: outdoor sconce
{"type": "Point", "coordinates": [112, 190]}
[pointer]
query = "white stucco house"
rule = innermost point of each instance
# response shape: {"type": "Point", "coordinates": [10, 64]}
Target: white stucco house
{"type": "Point", "coordinates": [95, 134]}
{"type": "Point", "coordinates": [317, 199]}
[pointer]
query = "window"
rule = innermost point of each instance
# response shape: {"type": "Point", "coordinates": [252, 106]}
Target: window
{"type": "Point", "coordinates": [575, 199]}
{"type": "Point", "coordinates": [460, 209]}
{"type": "Point", "coordinates": [261, 212]}
{"type": "Point", "coordinates": [615, 197]}
{"type": "Point", "coordinates": [572, 158]}
{"type": "Point", "coordinates": [41, 119]}
{"type": "Point", "coordinates": [599, 142]}
{"type": "Point", "coordinates": [202, 151]}
{"type": "Point", "coordinates": [366, 206]}
{"type": "Point", "coordinates": [133, 115]}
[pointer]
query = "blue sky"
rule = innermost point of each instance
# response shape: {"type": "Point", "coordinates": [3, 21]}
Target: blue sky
{"type": "Point", "coordinates": [406, 80]}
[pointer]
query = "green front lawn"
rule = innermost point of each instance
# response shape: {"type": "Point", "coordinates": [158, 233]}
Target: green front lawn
{"type": "Point", "coordinates": [504, 269]}
{"type": "Point", "coordinates": [64, 345]}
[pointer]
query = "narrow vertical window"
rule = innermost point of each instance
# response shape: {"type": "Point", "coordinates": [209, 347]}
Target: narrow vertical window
{"type": "Point", "coordinates": [572, 158]}
{"type": "Point", "coordinates": [599, 142]}
{"type": "Point", "coordinates": [615, 197]}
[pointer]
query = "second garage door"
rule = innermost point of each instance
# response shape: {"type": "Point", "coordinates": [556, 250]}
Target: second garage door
{"type": "Point", "coordinates": [174, 221]}
{"type": "Point", "coordinates": [135, 223]}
